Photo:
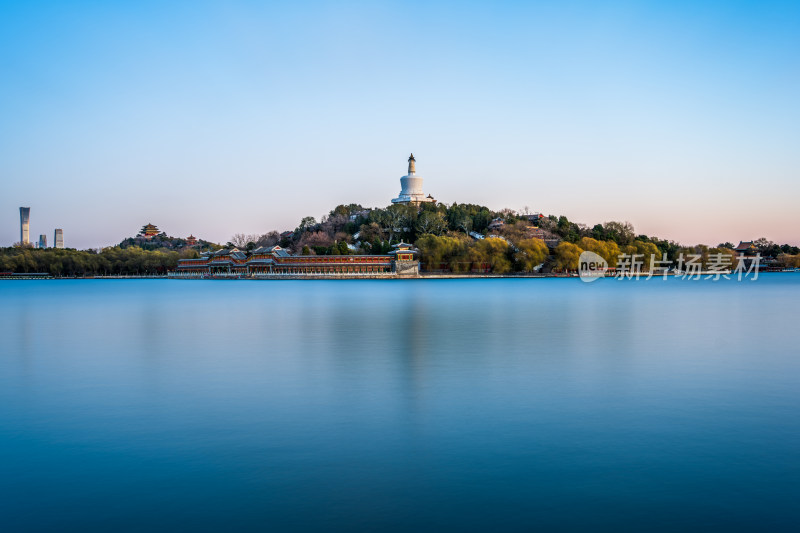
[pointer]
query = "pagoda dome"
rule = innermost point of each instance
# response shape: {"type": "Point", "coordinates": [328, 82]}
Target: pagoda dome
{"type": "Point", "coordinates": [411, 186]}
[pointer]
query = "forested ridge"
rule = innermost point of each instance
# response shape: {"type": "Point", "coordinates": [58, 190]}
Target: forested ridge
{"type": "Point", "coordinates": [450, 238]}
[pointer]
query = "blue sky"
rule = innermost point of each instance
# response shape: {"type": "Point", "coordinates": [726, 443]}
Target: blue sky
{"type": "Point", "coordinates": [214, 118]}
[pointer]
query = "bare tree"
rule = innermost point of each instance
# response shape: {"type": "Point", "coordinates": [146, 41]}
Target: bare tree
{"type": "Point", "coordinates": [465, 224]}
{"type": "Point", "coordinates": [763, 243]}
{"type": "Point", "coordinates": [433, 223]}
{"type": "Point", "coordinates": [240, 240]}
{"type": "Point", "coordinates": [333, 224]}
{"type": "Point", "coordinates": [314, 238]}
{"type": "Point", "coordinates": [371, 232]}
{"type": "Point", "coordinates": [269, 239]}
{"type": "Point", "coordinates": [398, 218]}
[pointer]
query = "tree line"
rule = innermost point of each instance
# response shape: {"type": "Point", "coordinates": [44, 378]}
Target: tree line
{"type": "Point", "coordinates": [444, 235]}
{"type": "Point", "coordinates": [521, 243]}
{"type": "Point", "coordinates": [457, 253]}
{"type": "Point", "coordinates": [114, 261]}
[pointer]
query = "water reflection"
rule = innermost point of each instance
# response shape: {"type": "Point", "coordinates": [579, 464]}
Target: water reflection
{"type": "Point", "coordinates": [399, 406]}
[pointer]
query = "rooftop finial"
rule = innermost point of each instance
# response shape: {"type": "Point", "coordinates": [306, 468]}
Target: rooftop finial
{"type": "Point", "coordinates": [411, 160]}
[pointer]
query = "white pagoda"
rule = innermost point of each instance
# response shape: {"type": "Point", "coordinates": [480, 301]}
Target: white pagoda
{"type": "Point", "coordinates": [411, 187]}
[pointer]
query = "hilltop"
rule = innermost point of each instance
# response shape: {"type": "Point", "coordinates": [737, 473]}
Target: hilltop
{"type": "Point", "coordinates": [469, 237]}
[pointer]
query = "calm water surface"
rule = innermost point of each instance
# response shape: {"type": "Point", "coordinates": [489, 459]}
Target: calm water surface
{"type": "Point", "coordinates": [466, 405]}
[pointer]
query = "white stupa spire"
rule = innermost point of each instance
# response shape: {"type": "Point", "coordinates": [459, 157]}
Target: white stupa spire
{"type": "Point", "coordinates": [411, 186]}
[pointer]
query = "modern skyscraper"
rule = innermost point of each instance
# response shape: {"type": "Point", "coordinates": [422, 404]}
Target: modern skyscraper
{"type": "Point", "coordinates": [25, 225]}
{"type": "Point", "coordinates": [42, 241]}
{"type": "Point", "coordinates": [58, 239]}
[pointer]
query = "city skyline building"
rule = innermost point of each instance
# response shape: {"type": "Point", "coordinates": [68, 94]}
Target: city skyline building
{"type": "Point", "coordinates": [58, 238]}
{"type": "Point", "coordinates": [25, 225]}
{"type": "Point", "coordinates": [42, 241]}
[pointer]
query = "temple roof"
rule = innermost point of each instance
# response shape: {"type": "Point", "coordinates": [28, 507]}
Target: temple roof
{"type": "Point", "coordinates": [233, 252]}
{"type": "Point", "coordinates": [277, 250]}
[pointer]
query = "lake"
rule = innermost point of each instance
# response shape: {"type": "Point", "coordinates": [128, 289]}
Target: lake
{"type": "Point", "coordinates": [388, 405]}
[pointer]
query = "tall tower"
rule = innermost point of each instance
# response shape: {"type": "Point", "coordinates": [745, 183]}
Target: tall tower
{"type": "Point", "coordinates": [25, 225]}
{"type": "Point", "coordinates": [42, 241]}
{"type": "Point", "coordinates": [58, 239]}
{"type": "Point", "coordinates": [411, 186]}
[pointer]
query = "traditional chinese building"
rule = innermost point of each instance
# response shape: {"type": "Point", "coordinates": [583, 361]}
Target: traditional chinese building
{"type": "Point", "coordinates": [403, 252]}
{"type": "Point", "coordinates": [191, 240]}
{"type": "Point", "coordinates": [496, 224]}
{"type": "Point", "coordinates": [275, 261]}
{"type": "Point", "coordinates": [232, 261]}
{"type": "Point", "coordinates": [149, 230]}
{"type": "Point", "coordinates": [405, 260]}
{"type": "Point", "coordinates": [746, 248]}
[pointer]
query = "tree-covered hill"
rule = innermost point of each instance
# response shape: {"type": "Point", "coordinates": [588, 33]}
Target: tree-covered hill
{"type": "Point", "coordinates": [450, 238]}
{"type": "Point", "coordinates": [468, 237]}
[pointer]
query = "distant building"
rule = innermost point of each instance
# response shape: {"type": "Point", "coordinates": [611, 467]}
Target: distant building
{"type": "Point", "coordinates": [746, 248]}
{"type": "Point", "coordinates": [534, 217]}
{"type": "Point", "coordinates": [363, 213]}
{"type": "Point", "coordinates": [403, 252]}
{"type": "Point", "coordinates": [25, 225]}
{"type": "Point", "coordinates": [411, 187]}
{"type": "Point", "coordinates": [275, 261]}
{"type": "Point", "coordinates": [191, 240]}
{"type": "Point", "coordinates": [58, 239]}
{"type": "Point", "coordinates": [42, 241]}
{"type": "Point", "coordinates": [149, 231]}
{"type": "Point", "coordinates": [496, 224]}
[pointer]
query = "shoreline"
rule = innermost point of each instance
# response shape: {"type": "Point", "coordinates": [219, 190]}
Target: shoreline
{"type": "Point", "coordinates": [368, 277]}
